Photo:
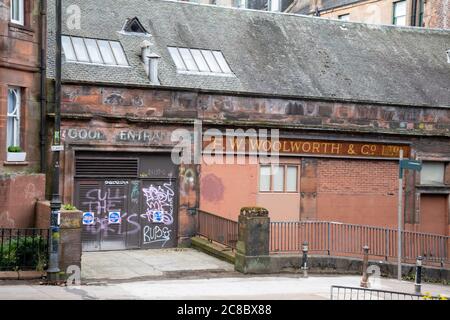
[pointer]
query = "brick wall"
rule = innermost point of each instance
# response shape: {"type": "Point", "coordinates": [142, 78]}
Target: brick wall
{"type": "Point", "coordinates": [357, 191]}
{"type": "Point", "coordinates": [357, 177]}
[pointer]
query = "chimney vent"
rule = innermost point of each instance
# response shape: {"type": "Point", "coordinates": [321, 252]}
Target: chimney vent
{"type": "Point", "coordinates": [448, 56]}
{"type": "Point", "coordinates": [153, 59]}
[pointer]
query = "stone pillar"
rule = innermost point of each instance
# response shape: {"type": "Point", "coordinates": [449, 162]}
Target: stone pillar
{"type": "Point", "coordinates": [252, 252]}
{"type": "Point", "coordinates": [70, 233]}
{"type": "Point", "coordinates": [70, 242]}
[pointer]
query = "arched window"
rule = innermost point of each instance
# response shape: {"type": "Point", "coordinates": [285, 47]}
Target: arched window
{"type": "Point", "coordinates": [13, 118]}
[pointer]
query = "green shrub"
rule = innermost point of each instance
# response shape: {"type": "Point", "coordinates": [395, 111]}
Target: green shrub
{"type": "Point", "coordinates": [28, 252]}
{"type": "Point", "coordinates": [14, 149]}
{"type": "Point", "coordinates": [69, 207]}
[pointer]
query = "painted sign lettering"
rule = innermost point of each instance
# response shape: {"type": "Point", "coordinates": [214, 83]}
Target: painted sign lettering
{"type": "Point", "coordinates": [308, 147]}
{"type": "Point", "coordinates": [145, 136]}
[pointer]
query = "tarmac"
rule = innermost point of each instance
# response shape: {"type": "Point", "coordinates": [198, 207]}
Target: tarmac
{"type": "Point", "coordinates": [187, 274]}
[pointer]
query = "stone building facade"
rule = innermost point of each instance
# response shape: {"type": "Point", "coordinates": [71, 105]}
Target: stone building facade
{"type": "Point", "coordinates": [20, 110]}
{"type": "Point", "coordinates": [421, 13]}
{"type": "Point", "coordinates": [341, 125]}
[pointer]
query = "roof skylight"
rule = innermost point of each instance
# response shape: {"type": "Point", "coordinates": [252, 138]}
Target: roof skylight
{"type": "Point", "coordinates": [199, 61]}
{"type": "Point", "coordinates": [93, 51]}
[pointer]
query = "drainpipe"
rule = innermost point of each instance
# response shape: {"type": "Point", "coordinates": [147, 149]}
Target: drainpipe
{"type": "Point", "coordinates": [43, 79]}
{"type": "Point", "coordinates": [414, 13]}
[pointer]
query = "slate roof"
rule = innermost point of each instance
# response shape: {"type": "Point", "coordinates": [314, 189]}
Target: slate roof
{"type": "Point", "coordinates": [304, 7]}
{"type": "Point", "coordinates": [270, 53]}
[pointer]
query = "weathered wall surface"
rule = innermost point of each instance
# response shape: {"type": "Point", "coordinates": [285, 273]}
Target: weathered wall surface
{"type": "Point", "coordinates": [358, 191]}
{"type": "Point", "coordinates": [18, 197]}
{"type": "Point", "coordinates": [437, 14]}
{"type": "Point", "coordinates": [146, 105]}
{"type": "Point", "coordinates": [19, 67]}
{"type": "Point", "coordinates": [70, 234]}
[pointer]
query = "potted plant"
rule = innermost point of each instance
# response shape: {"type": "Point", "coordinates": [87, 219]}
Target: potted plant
{"type": "Point", "coordinates": [15, 154]}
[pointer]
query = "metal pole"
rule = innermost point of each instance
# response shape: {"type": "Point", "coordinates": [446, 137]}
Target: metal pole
{"type": "Point", "coordinates": [399, 227]}
{"type": "Point", "coordinates": [305, 259]}
{"type": "Point", "coordinates": [418, 283]}
{"type": "Point", "coordinates": [55, 204]}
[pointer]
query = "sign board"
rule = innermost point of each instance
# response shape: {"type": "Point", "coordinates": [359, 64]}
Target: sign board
{"type": "Point", "coordinates": [157, 216]}
{"type": "Point", "coordinates": [57, 148]}
{"type": "Point", "coordinates": [284, 146]}
{"type": "Point", "coordinates": [114, 217]}
{"type": "Point", "coordinates": [411, 164]}
{"type": "Point", "coordinates": [88, 218]}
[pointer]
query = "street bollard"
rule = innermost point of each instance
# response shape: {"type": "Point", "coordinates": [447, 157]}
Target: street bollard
{"type": "Point", "coordinates": [365, 277]}
{"type": "Point", "coordinates": [305, 259]}
{"type": "Point", "coordinates": [418, 283]}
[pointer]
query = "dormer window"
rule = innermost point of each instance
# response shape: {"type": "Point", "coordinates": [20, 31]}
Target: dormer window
{"type": "Point", "coordinates": [17, 12]}
{"type": "Point", "coordinates": [134, 26]}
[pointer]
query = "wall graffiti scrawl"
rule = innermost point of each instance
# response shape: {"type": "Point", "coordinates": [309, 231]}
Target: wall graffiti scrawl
{"type": "Point", "coordinates": [159, 201]}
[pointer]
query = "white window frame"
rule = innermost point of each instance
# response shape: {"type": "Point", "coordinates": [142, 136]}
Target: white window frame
{"type": "Point", "coordinates": [15, 115]}
{"type": "Point", "coordinates": [395, 17]}
{"type": "Point", "coordinates": [21, 8]}
{"type": "Point", "coordinates": [200, 61]}
{"type": "Point", "coordinates": [105, 49]}
{"type": "Point", "coordinates": [272, 2]}
{"type": "Point", "coordinates": [285, 167]}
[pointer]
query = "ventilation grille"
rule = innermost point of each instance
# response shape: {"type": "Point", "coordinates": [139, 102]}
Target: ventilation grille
{"type": "Point", "coordinates": [106, 167]}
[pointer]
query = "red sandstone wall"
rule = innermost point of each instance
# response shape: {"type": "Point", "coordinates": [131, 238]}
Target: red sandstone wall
{"type": "Point", "coordinates": [18, 196]}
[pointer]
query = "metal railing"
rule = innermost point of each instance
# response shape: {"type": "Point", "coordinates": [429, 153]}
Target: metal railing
{"type": "Point", "coordinates": [217, 229]}
{"type": "Point", "coordinates": [348, 239]}
{"type": "Point", "coordinates": [332, 238]}
{"type": "Point", "coordinates": [356, 293]}
{"type": "Point", "coordinates": [23, 249]}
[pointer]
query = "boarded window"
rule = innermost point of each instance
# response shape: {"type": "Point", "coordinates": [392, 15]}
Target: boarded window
{"type": "Point", "coordinates": [432, 173]}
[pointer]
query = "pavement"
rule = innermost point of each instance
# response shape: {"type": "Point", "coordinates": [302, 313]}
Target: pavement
{"type": "Point", "coordinates": [187, 274]}
{"type": "Point", "coordinates": [148, 264]}
{"type": "Point", "coordinates": [221, 288]}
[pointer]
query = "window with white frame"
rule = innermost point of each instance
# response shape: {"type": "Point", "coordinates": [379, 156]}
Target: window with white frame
{"type": "Point", "coordinates": [17, 11]}
{"type": "Point", "coordinates": [199, 61]}
{"type": "Point", "coordinates": [278, 178]}
{"type": "Point", "coordinates": [13, 117]}
{"type": "Point", "coordinates": [274, 5]}
{"type": "Point", "coordinates": [93, 51]}
{"type": "Point", "coordinates": [399, 16]}
{"type": "Point", "coordinates": [432, 173]}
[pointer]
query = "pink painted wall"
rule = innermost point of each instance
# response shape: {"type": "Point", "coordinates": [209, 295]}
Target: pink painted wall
{"type": "Point", "coordinates": [225, 189]}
